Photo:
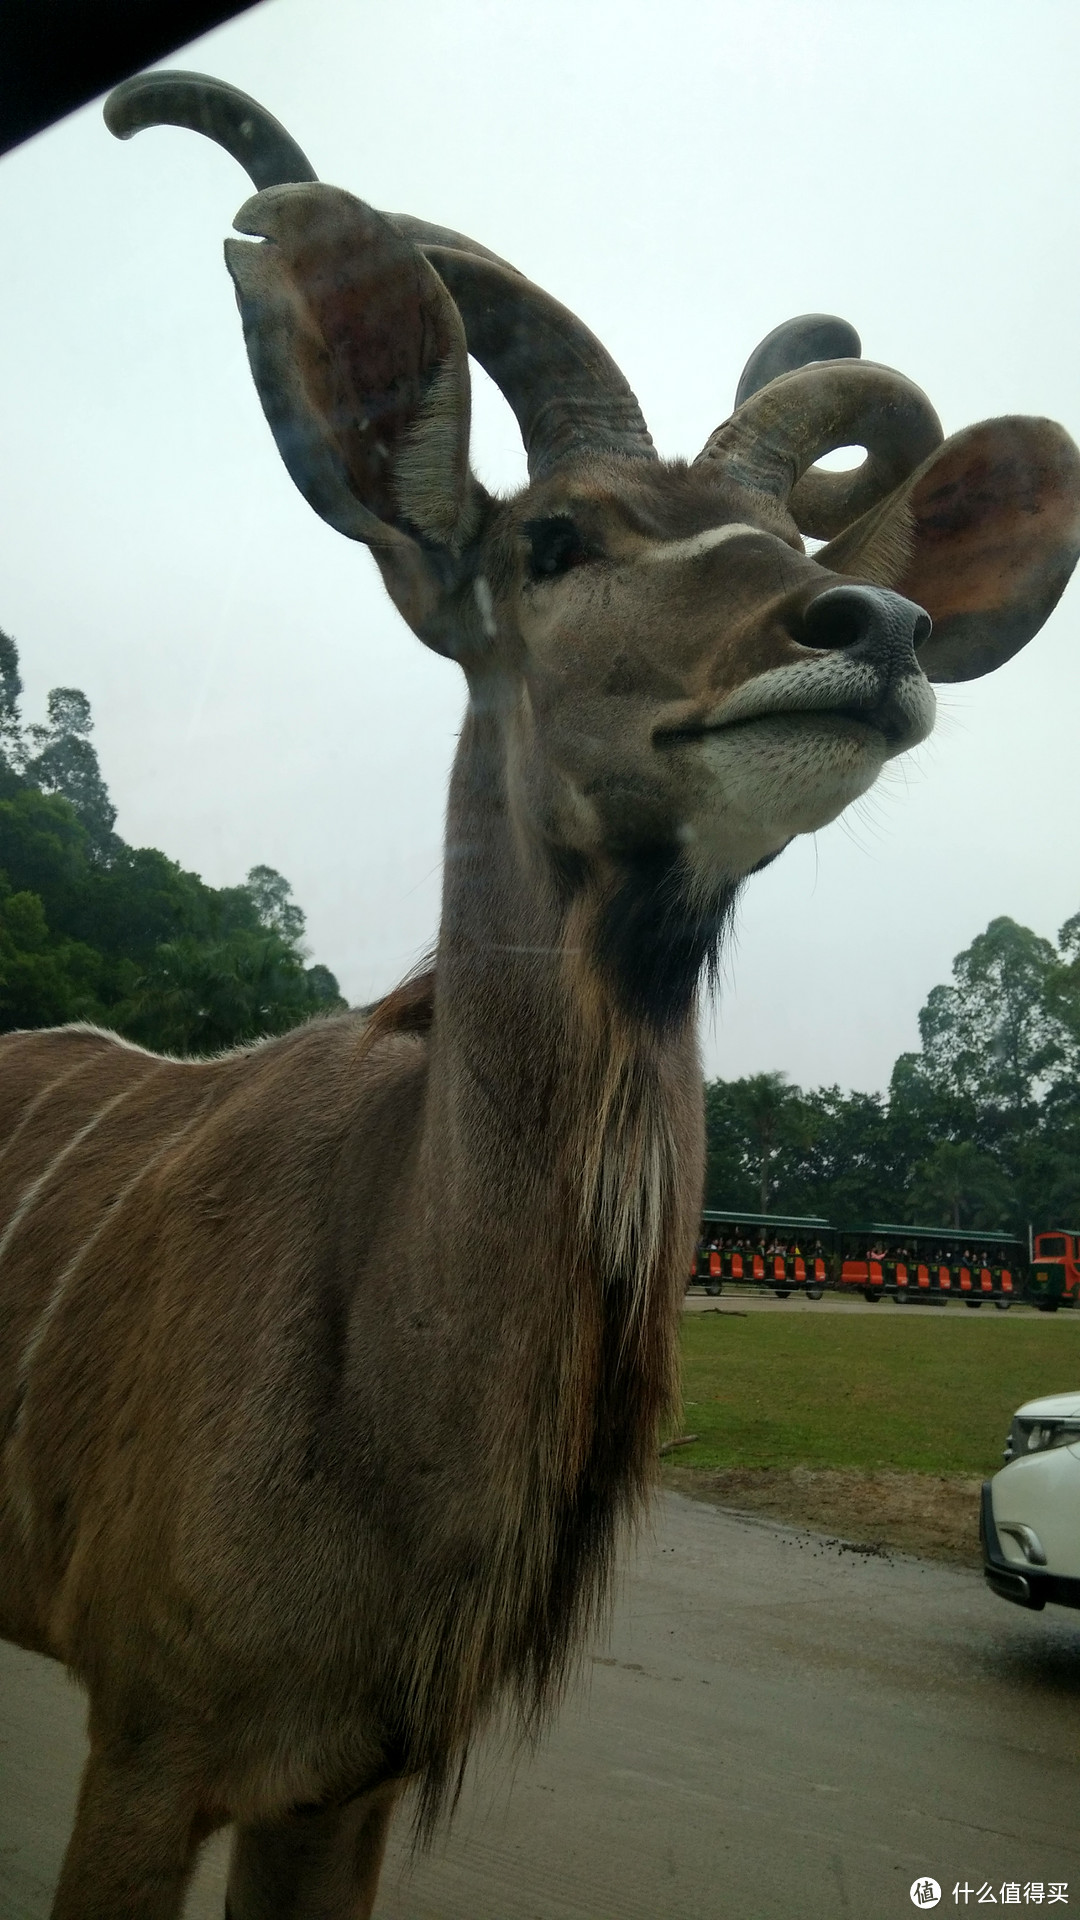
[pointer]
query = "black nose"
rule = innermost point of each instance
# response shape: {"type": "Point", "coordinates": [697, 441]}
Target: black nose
{"type": "Point", "coordinates": [868, 621]}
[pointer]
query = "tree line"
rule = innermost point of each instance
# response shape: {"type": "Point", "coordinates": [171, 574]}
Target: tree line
{"type": "Point", "coordinates": [94, 929]}
{"type": "Point", "coordinates": [979, 1128]}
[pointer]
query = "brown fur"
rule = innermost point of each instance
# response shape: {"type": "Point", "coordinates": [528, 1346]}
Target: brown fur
{"type": "Point", "coordinates": [331, 1375]}
{"type": "Point", "coordinates": [333, 1367]}
{"type": "Point", "coordinates": [335, 1364]}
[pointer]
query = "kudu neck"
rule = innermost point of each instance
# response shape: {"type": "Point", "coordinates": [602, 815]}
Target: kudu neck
{"type": "Point", "coordinates": [522, 1005]}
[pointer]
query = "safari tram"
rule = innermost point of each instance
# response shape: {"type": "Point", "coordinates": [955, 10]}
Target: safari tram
{"type": "Point", "coordinates": [912, 1265]}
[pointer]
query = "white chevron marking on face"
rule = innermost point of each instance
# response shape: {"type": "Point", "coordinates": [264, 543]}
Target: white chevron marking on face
{"type": "Point", "coordinates": [698, 543]}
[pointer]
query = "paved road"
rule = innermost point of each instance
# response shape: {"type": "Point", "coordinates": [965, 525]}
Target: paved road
{"type": "Point", "coordinates": [779, 1730]}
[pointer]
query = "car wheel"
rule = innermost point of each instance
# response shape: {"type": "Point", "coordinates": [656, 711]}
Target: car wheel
{"type": "Point", "coordinates": [1047, 1306]}
{"type": "Point", "coordinates": [900, 1296]}
{"type": "Point", "coordinates": [1003, 1305]}
{"type": "Point", "coordinates": [814, 1293]}
{"type": "Point", "coordinates": [781, 1292]}
{"type": "Point", "coordinates": [973, 1303]}
{"type": "Point", "coordinates": [873, 1294]}
{"type": "Point", "coordinates": [713, 1287]}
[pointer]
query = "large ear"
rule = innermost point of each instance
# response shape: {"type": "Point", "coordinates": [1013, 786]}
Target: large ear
{"type": "Point", "coordinates": [984, 535]}
{"type": "Point", "coordinates": [358, 353]}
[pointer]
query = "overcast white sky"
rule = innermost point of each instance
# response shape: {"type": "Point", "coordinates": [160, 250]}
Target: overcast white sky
{"type": "Point", "coordinates": [684, 176]}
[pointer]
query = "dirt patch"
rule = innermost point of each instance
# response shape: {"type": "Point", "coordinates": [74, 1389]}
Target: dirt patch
{"type": "Point", "coordinates": [933, 1514]}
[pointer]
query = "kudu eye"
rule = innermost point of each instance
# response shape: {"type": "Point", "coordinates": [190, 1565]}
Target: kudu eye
{"type": "Point", "coordinates": [555, 545]}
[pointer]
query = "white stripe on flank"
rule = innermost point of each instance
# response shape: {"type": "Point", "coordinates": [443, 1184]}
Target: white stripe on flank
{"type": "Point", "coordinates": [20, 1475]}
{"type": "Point", "coordinates": [37, 1187]}
{"type": "Point", "coordinates": [41, 1096]}
{"type": "Point", "coordinates": [697, 543]}
{"type": "Point", "coordinates": [47, 1316]}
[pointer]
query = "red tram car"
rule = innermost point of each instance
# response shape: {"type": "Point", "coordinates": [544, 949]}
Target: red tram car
{"type": "Point", "coordinates": [1054, 1277]}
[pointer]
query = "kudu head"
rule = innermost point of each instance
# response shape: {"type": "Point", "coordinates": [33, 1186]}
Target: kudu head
{"type": "Point", "coordinates": [679, 685]}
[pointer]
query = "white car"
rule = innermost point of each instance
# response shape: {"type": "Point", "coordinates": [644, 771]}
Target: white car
{"type": "Point", "coordinates": [1030, 1520]}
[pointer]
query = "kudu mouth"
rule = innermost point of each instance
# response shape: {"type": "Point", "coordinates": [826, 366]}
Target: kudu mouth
{"type": "Point", "coordinates": [867, 674]}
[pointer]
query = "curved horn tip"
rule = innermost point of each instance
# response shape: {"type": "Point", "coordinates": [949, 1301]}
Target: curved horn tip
{"type": "Point", "coordinates": [172, 97]}
{"type": "Point", "coordinates": [114, 112]}
{"type": "Point", "coordinates": [137, 102]}
{"type": "Point", "coordinates": [795, 343]}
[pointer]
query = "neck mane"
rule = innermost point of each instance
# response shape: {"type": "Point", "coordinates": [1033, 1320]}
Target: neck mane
{"type": "Point", "coordinates": [563, 1161]}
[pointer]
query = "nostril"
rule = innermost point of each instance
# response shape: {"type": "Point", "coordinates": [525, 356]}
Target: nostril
{"type": "Point", "coordinates": [870, 618]}
{"type": "Point", "coordinates": [839, 618]}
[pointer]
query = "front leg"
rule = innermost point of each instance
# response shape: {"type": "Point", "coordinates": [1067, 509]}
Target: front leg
{"type": "Point", "coordinates": [322, 1865]}
{"type": "Point", "coordinates": [137, 1831]}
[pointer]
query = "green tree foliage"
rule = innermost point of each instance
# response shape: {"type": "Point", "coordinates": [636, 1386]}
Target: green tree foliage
{"type": "Point", "coordinates": [992, 1038]}
{"type": "Point", "coordinates": [92, 929]}
{"type": "Point", "coordinates": [1063, 988]}
{"type": "Point", "coordinates": [849, 1171]}
{"type": "Point", "coordinates": [277, 910]}
{"type": "Point", "coordinates": [58, 758]}
{"type": "Point", "coordinates": [961, 1186]}
{"type": "Point", "coordinates": [759, 1123]}
{"type": "Point", "coordinates": [981, 1127]}
{"type": "Point", "coordinates": [199, 996]}
{"type": "Point", "coordinates": [10, 692]}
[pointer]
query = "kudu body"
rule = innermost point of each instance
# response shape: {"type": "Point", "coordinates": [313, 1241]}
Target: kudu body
{"type": "Point", "coordinates": [306, 1465]}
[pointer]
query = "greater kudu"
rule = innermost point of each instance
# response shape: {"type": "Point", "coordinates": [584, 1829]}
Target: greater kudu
{"type": "Point", "coordinates": [305, 1467]}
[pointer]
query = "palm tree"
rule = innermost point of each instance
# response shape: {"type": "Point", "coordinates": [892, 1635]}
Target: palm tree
{"type": "Point", "coordinates": [776, 1116]}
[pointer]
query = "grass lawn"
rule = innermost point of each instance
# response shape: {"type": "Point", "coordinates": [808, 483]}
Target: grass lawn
{"type": "Point", "coordinates": [904, 1392]}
